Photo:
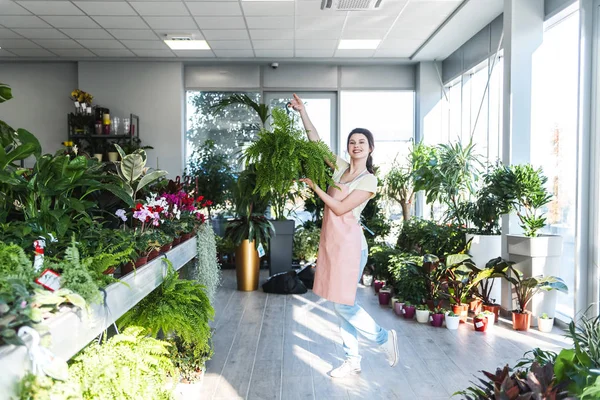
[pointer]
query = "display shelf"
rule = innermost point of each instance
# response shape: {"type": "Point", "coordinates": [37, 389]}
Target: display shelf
{"type": "Point", "coordinates": [72, 330]}
{"type": "Point", "coordinates": [107, 137]}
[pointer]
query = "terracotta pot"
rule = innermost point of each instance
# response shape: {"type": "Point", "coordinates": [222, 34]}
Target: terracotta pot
{"type": "Point", "coordinates": [128, 268]}
{"type": "Point", "coordinates": [495, 308]}
{"type": "Point", "coordinates": [165, 247]}
{"type": "Point", "coordinates": [176, 241]}
{"type": "Point", "coordinates": [378, 285]}
{"type": "Point", "coordinates": [462, 310]}
{"type": "Point", "coordinates": [475, 306]}
{"type": "Point", "coordinates": [153, 254]}
{"type": "Point", "coordinates": [521, 322]}
{"type": "Point", "coordinates": [480, 324]}
{"type": "Point", "coordinates": [398, 308]}
{"type": "Point", "coordinates": [384, 297]}
{"type": "Point", "coordinates": [409, 311]}
{"type": "Point", "coordinates": [109, 271]}
{"type": "Point", "coordinates": [186, 236]}
{"type": "Point", "coordinates": [437, 320]}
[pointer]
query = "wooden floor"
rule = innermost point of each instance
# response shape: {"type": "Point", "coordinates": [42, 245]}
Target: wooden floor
{"type": "Point", "coordinates": [282, 347]}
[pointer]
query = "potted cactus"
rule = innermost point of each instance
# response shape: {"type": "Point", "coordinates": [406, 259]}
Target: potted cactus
{"type": "Point", "coordinates": [545, 323]}
{"type": "Point", "coordinates": [452, 320]}
{"type": "Point", "coordinates": [423, 314]}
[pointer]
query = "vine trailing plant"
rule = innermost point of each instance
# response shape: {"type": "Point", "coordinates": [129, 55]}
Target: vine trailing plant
{"type": "Point", "coordinates": [281, 155]}
{"type": "Point", "coordinates": [207, 270]}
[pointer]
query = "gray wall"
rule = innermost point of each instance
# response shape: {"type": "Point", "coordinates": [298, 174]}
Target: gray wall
{"type": "Point", "coordinates": [153, 91]}
{"type": "Point", "coordinates": [41, 99]}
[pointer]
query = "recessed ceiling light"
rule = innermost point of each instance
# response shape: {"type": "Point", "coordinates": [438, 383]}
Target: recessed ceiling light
{"type": "Point", "coordinates": [188, 44]}
{"type": "Point", "coordinates": [358, 44]}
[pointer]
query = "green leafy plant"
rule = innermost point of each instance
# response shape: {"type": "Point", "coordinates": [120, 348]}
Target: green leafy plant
{"type": "Point", "coordinates": [281, 156]}
{"type": "Point", "coordinates": [526, 288]}
{"type": "Point", "coordinates": [261, 109]}
{"type": "Point", "coordinates": [132, 171]}
{"type": "Point", "coordinates": [43, 387]}
{"type": "Point", "coordinates": [254, 228]}
{"type": "Point", "coordinates": [207, 270]}
{"type": "Point", "coordinates": [375, 219]}
{"type": "Point", "coordinates": [306, 243]}
{"type": "Point", "coordinates": [458, 275]}
{"type": "Point", "coordinates": [523, 187]}
{"type": "Point", "coordinates": [484, 278]}
{"type": "Point", "coordinates": [14, 264]}
{"type": "Point", "coordinates": [189, 362]}
{"type": "Point", "coordinates": [177, 307]}
{"type": "Point", "coordinates": [422, 237]}
{"type": "Point", "coordinates": [16, 311]}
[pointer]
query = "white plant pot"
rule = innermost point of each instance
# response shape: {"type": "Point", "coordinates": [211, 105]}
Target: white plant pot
{"type": "Point", "coordinates": [367, 280]}
{"type": "Point", "coordinates": [452, 322]}
{"type": "Point", "coordinates": [98, 157]}
{"type": "Point", "coordinates": [537, 256]}
{"type": "Point", "coordinates": [422, 316]}
{"type": "Point", "coordinates": [491, 320]}
{"type": "Point", "coordinates": [483, 249]}
{"type": "Point", "coordinates": [545, 324]}
{"type": "Point", "coordinates": [392, 302]}
{"type": "Point", "coordinates": [113, 156]}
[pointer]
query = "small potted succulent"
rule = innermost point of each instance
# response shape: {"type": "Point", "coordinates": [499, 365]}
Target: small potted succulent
{"type": "Point", "coordinates": [385, 294]}
{"type": "Point", "coordinates": [437, 317]}
{"type": "Point", "coordinates": [367, 279]}
{"type": "Point", "coordinates": [398, 305]}
{"type": "Point", "coordinates": [452, 320]}
{"type": "Point", "coordinates": [545, 323]}
{"type": "Point", "coordinates": [423, 314]}
{"type": "Point", "coordinates": [480, 321]}
{"type": "Point", "coordinates": [408, 310]}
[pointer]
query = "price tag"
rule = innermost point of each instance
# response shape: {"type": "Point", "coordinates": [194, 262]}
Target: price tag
{"type": "Point", "coordinates": [403, 311]}
{"type": "Point", "coordinates": [478, 324]}
{"type": "Point", "coordinates": [49, 279]}
{"type": "Point", "coordinates": [261, 250]}
{"type": "Point", "coordinates": [77, 105]}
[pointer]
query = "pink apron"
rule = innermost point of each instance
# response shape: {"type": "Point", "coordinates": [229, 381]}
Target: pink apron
{"type": "Point", "coordinates": [338, 260]}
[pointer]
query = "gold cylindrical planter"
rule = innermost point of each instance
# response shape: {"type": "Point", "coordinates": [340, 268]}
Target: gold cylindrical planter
{"type": "Point", "coordinates": [247, 265]}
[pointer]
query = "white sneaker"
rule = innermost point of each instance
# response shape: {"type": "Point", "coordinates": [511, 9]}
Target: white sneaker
{"type": "Point", "coordinates": [390, 348]}
{"type": "Point", "coordinates": [349, 367]}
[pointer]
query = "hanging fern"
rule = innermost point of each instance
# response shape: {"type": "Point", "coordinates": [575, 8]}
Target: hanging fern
{"type": "Point", "coordinates": [177, 307]}
{"type": "Point", "coordinates": [282, 155]}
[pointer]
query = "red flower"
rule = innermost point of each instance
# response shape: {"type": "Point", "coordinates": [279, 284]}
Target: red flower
{"type": "Point", "coordinates": [207, 203]}
{"type": "Point", "coordinates": [138, 207]}
{"type": "Point", "coordinates": [200, 198]}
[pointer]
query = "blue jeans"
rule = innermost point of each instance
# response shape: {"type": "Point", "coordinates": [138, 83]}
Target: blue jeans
{"type": "Point", "coordinates": [354, 319]}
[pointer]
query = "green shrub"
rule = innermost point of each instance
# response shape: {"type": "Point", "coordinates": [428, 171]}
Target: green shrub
{"type": "Point", "coordinates": [420, 236]}
{"type": "Point", "coordinates": [306, 243]}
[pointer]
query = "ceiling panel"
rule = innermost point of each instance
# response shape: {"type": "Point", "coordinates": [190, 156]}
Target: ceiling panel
{"type": "Point", "coordinates": [100, 44]}
{"type": "Point", "coordinates": [105, 8]}
{"type": "Point", "coordinates": [32, 53]}
{"type": "Point", "coordinates": [8, 34]}
{"type": "Point", "coordinates": [321, 23]}
{"type": "Point", "coordinates": [74, 53]}
{"type": "Point", "coordinates": [145, 44]}
{"type": "Point", "coordinates": [225, 34]}
{"type": "Point", "coordinates": [154, 53]}
{"type": "Point", "coordinates": [160, 8]}
{"type": "Point", "coordinates": [87, 33]}
{"type": "Point", "coordinates": [393, 53]}
{"type": "Point", "coordinates": [221, 23]}
{"type": "Point", "coordinates": [318, 34]}
{"type": "Point", "coordinates": [194, 53]}
{"type": "Point", "coordinates": [58, 43]}
{"type": "Point", "coordinates": [133, 34]}
{"type": "Point", "coordinates": [355, 22]}
{"type": "Point", "coordinates": [316, 44]}
{"type": "Point", "coordinates": [267, 34]}
{"type": "Point", "coordinates": [354, 53]}
{"type": "Point", "coordinates": [274, 53]}
{"type": "Point", "coordinates": [22, 22]}
{"type": "Point", "coordinates": [273, 44]}
{"type": "Point", "coordinates": [214, 8]}
{"type": "Point", "coordinates": [313, 8]}
{"type": "Point", "coordinates": [314, 53]}
{"type": "Point", "coordinates": [35, 33]}
{"type": "Point", "coordinates": [18, 44]}
{"type": "Point", "coordinates": [51, 7]}
{"type": "Point", "coordinates": [12, 8]}
{"type": "Point", "coordinates": [364, 34]}
{"type": "Point", "coordinates": [5, 53]}
{"type": "Point", "coordinates": [230, 44]}
{"type": "Point", "coordinates": [268, 8]}
{"type": "Point", "coordinates": [234, 53]}
{"type": "Point", "coordinates": [70, 21]}
{"type": "Point", "coordinates": [171, 22]}
{"type": "Point", "coordinates": [121, 22]}
{"type": "Point", "coordinates": [269, 22]}
{"type": "Point", "coordinates": [113, 53]}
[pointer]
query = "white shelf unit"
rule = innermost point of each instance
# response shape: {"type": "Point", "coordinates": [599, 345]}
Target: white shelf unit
{"type": "Point", "coordinates": [72, 330]}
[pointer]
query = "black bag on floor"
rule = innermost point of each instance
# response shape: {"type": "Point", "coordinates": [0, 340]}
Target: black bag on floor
{"type": "Point", "coordinates": [307, 275]}
{"type": "Point", "coordinates": [284, 283]}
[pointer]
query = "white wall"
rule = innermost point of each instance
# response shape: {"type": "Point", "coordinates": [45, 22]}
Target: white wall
{"type": "Point", "coordinates": [152, 90]}
{"type": "Point", "coordinates": [41, 99]}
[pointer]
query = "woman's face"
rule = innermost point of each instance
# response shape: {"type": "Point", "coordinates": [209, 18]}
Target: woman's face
{"type": "Point", "coordinates": [358, 146]}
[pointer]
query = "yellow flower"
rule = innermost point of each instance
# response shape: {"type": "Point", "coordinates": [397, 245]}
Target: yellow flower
{"type": "Point", "coordinates": [67, 144]}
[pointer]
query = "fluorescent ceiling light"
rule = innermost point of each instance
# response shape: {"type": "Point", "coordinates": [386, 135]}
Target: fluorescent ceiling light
{"type": "Point", "coordinates": [358, 44]}
{"type": "Point", "coordinates": [188, 44]}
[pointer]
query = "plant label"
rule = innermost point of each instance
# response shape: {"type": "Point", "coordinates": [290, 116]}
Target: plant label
{"type": "Point", "coordinates": [478, 324]}
{"type": "Point", "coordinates": [403, 311]}
{"type": "Point", "coordinates": [430, 318]}
{"type": "Point", "coordinates": [261, 250]}
{"type": "Point", "coordinates": [49, 280]}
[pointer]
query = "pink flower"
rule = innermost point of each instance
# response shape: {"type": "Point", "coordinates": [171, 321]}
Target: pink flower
{"type": "Point", "coordinates": [121, 214]}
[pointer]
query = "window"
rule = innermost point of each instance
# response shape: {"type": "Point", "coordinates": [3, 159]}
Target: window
{"type": "Point", "coordinates": [554, 138]}
{"type": "Point", "coordinates": [229, 128]}
{"type": "Point", "coordinates": [494, 142]}
{"type": "Point", "coordinates": [389, 115]}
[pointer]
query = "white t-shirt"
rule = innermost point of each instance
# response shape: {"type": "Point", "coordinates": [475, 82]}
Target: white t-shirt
{"type": "Point", "coordinates": [366, 182]}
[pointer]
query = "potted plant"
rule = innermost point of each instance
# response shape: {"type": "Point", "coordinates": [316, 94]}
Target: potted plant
{"type": "Point", "coordinates": [408, 310]}
{"type": "Point", "coordinates": [485, 279]}
{"type": "Point", "coordinates": [452, 320]}
{"type": "Point", "coordinates": [367, 279]}
{"type": "Point", "coordinates": [385, 294]}
{"type": "Point", "coordinates": [545, 323]}
{"type": "Point", "coordinates": [423, 314]}
{"type": "Point", "coordinates": [282, 155]}
{"type": "Point", "coordinates": [480, 322]}
{"type": "Point", "coordinates": [458, 277]}
{"type": "Point", "coordinates": [524, 188]}
{"type": "Point", "coordinates": [433, 273]}
{"type": "Point", "coordinates": [437, 317]}
{"type": "Point", "coordinates": [526, 289]}
{"type": "Point", "coordinates": [398, 305]}
{"type": "Point", "coordinates": [378, 284]}
{"type": "Point", "coordinates": [491, 318]}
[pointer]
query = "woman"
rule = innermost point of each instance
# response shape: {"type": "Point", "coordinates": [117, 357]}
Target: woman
{"type": "Point", "coordinates": [343, 249]}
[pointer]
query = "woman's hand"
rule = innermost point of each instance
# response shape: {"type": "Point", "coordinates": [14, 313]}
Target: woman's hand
{"type": "Point", "coordinates": [308, 182]}
{"type": "Point", "coordinates": [297, 103]}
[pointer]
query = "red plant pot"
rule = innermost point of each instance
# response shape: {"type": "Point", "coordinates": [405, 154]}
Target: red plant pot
{"type": "Point", "coordinates": [166, 247]}
{"type": "Point", "coordinates": [153, 254]}
{"type": "Point", "coordinates": [409, 311]}
{"type": "Point", "coordinates": [462, 310]}
{"type": "Point", "coordinates": [398, 308]}
{"type": "Point", "coordinates": [437, 320]}
{"type": "Point", "coordinates": [378, 285]}
{"type": "Point", "coordinates": [109, 271]}
{"type": "Point", "coordinates": [186, 236]}
{"type": "Point", "coordinates": [128, 268]}
{"type": "Point", "coordinates": [384, 298]}
{"type": "Point", "coordinates": [176, 241]}
{"type": "Point", "coordinates": [480, 324]}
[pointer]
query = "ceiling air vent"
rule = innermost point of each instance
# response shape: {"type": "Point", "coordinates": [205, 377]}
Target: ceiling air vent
{"type": "Point", "coordinates": [351, 5]}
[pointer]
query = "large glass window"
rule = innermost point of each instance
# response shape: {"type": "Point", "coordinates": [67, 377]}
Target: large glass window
{"type": "Point", "coordinates": [554, 137]}
{"type": "Point", "coordinates": [494, 142]}
{"type": "Point", "coordinates": [389, 115]}
{"type": "Point", "coordinates": [229, 128]}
